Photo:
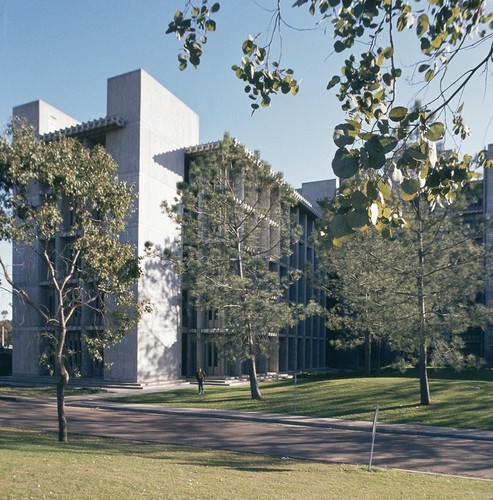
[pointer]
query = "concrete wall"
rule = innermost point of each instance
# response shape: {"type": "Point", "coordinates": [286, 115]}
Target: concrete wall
{"type": "Point", "coordinates": [26, 270]}
{"type": "Point", "coordinates": [44, 117]}
{"type": "Point", "coordinates": [25, 320]}
{"type": "Point", "coordinates": [148, 151]}
{"type": "Point", "coordinates": [318, 190]}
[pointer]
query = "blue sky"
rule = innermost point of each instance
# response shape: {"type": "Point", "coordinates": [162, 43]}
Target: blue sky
{"type": "Point", "coordinates": [63, 51]}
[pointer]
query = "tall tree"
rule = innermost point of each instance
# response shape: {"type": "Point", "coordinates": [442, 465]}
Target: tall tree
{"type": "Point", "coordinates": [381, 124]}
{"type": "Point", "coordinates": [363, 295]}
{"type": "Point", "coordinates": [236, 235]}
{"type": "Point", "coordinates": [66, 205]}
{"type": "Point", "coordinates": [419, 290]}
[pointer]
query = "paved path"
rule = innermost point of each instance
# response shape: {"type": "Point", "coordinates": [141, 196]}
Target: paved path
{"type": "Point", "coordinates": [438, 450]}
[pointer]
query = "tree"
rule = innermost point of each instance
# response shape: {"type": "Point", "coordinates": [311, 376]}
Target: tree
{"type": "Point", "coordinates": [419, 290]}
{"type": "Point", "coordinates": [66, 205]}
{"type": "Point", "coordinates": [357, 280]}
{"type": "Point", "coordinates": [385, 145]}
{"type": "Point", "coordinates": [382, 134]}
{"type": "Point", "coordinates": [236, 235]}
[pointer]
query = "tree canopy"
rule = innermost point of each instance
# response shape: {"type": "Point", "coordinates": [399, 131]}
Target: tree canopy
{"type": "Point", "coordinates": [234, 214]}
{"type": "Point", "coordinates": [63, 203]}
{"type": "Point", "coordinates": [420, 290]}
{"type": "Point", "coordinates": [385, 142]}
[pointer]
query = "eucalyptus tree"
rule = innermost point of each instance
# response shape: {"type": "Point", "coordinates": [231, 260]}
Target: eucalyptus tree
{"type": "Point", "coordinates": [55, 188]}
{"type": "Point", "coordinates": [419, 290]}
{"type": "Point", "coordinates": [444, 46]}
{"type": "Point", "coordinates": [237, 232]}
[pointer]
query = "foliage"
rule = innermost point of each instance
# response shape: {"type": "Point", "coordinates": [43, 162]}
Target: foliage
{"type": "Point", "coordinates": [109, 468]}
{"type": "Point", "coordinates": [422, 286]}
{"type": "Point", "coordinates": [65, 204]}
{"type": "Point", "coordinates": [236, 235]}
{"type": "Point", "coordinates": [384, 142]}
{"type": "Point", "coordinates": [365, 295]}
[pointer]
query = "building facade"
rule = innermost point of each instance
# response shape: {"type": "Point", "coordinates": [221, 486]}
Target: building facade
{"type": "Point", "coordinates": [152, 135]}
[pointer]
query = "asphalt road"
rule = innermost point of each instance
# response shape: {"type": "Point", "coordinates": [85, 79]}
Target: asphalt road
{"type": "Point", "coordinates": [315, 439]}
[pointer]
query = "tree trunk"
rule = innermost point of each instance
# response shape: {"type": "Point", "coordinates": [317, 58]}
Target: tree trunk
{"type": "Point", "coordinates": [423, 354]}
{"type": "Point", "coordinates": [367, 353]}
{"type": "Point", "coordinates": [378, 361]}
{"type": "Point", "coordinates": [424, 387]}
{"type": "Point", "coordinates": [254, 387]}
{"type": "Point", "coordinates": [60, 401]}
{"type": "Point", "coordinates": [61, 385]}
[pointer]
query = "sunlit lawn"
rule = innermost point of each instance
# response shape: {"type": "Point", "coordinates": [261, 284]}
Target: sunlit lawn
{"type": "Point", "coordinates": [463, 399]}
{"type": "Point", "coordinates": [465, 402]}
{"type": "Point", "coordinates": [34, 465]}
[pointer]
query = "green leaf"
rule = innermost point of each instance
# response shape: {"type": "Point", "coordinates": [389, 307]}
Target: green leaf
{"type": "Point", "coordinates": [416, 154]}
{"type": "Point", "coordinates": [339, 46]}
{"type": "Point", "coordinates": [422, 24]}
{"type": "Point", "coordinates": [371, 190]}
{"type": "Point", "coordinates": [435, 132]}
{"type": "Point", "coordinates": [342, 136]}
{"type": "Point", "coordinates": [359, 201]}
{"type": "Point", "coordinates": [339, 226]}
{"type": "Point", "coordinates": [388, 52]}
{"type": "Point", "coordinates": [210, 25]}
{"type": "Point", "coordinates": [357, 219]}
{"type": "Point", "coordinates": [429, 75]}
{"type": "Point", "coordinates": [345, 165]}
{"type": "Point", "coordinates": [398, 113]}
{"type": "Point", "coordinates": [388, 144]}
{"type": "Point", "coordinates": [385, 189]}
{"type": "Point", "coordinates": [333, 82]}
{"type": "Point", "coordinates": [410, 186]}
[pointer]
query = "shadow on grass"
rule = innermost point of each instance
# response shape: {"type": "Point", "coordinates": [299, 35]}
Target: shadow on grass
{"type": "Point", "coordinates": [243, 463]}
{"type": "Point", "coordinates": [45, 443]}
{"type": "Point", "coordinates": [485, 374]}
{"type": "Point", "coordinates": [436, 373]}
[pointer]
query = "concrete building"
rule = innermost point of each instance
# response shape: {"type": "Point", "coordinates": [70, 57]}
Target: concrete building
{"type": "Point", "coordinates": [488, 211]}
{"type": "Point", "coordinates": [151, 134]}
{"type": "Point", "coordinates": [480, 194]}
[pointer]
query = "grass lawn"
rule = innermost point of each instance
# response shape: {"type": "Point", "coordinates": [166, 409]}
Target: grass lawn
{"type": "Point", "coordinates": [34, 465]}
{"type": "Point", "coordinates": [459, 399]}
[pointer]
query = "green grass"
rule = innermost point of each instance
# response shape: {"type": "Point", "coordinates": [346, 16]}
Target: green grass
{"type": "Point", "coordinates": [34, 465]}
{"type": "Point", "coordinates": [465, 402]}
{"type": "Point", "coordinates": [460, 399]}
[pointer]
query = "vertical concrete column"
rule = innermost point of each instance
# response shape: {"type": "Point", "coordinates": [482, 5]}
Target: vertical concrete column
{"type": "Point", "coordinates": [149, 151]}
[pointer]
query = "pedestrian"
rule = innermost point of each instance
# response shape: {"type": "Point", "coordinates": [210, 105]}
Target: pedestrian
{"type": "Point", "coordinates": [200, 380]}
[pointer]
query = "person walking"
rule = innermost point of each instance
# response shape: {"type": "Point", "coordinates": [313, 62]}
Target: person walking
{"type": "Point", "coordinates": [200, 380]}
